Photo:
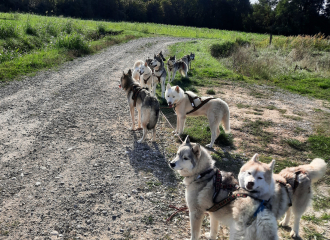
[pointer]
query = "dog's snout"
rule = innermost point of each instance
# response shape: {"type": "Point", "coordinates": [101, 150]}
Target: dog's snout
{"type": "Point", "coordinates": [250, 185]}
{"type": "Point", "coordinates": [172, 165]}
{"type": "Point", "coordinates": [169, 103]}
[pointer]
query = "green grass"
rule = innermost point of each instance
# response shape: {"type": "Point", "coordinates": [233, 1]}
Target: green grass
{"type": "Point", "coordinates": [256, 128]}
{"type": "Point", "coordinates": [199, 131]}
{"type": "Point", "coordinates": [312, 218]}
{"type": "Point", "coordinates": [29, 43]}
{"type": "Point", "coordinates": [296, 144]}
{"type": "Point", "coordinates": [210, 92]}
{"type": "Point", "coordinates": [241, 105]}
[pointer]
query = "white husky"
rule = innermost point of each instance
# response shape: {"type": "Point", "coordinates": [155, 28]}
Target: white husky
{"type": "Point", "coordinates": [215, 109]}
{"type": "Point", "coordinates": [137, 70]}
{"type": "Point", "coordinates": [146, 79]}
{"type": "Point", "coordinates": [292, 186]}
{"type": "Point", "coordinates": [195, 164]}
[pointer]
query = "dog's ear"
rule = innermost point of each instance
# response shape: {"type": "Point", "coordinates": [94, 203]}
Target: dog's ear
{"type": "Point", "coordinates": [129, 72]}
{"type": "Point", "coordinates": [154, 55]}
{"type": "Point", "coordinates": [255, 158]}
{"type": "Point", "coordinates": [168, 86]}
{"type": "Point", "coordinates": [196, 149]}
{"type": "Point", "coordinates": [177, 88]}
{"type": "Point", "coordinates": [123, 73]}
{"type": "Point", "coordinates": [187, 140]}
{"type": "Point", "coordinates": [272, 165]}
{"type": "Point", "coordinates": [146, 64]}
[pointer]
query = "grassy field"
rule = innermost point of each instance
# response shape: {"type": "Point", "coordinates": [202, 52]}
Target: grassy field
{"type": "Point", "coordinates": [29, 43]}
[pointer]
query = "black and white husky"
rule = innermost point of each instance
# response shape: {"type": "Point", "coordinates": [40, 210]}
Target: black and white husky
{"type": "Point", "coordinates": [173, 66]}
{"type": "Point", "coordinates": [147, 105]}
{"type": "Point", "coordinates": [159, 73]}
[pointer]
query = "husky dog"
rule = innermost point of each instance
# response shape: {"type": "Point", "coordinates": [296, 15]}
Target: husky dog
{"type": "Point", "coordinates": [292, 186]}
{"type": "Point", "coordinates": [188, 58]}
{"type": "Point", "coordinates": [137, 70]}
{"type": "Point", "coordinates": [215, 109]}
{"type": "Point", "coordinates": [173, 66]}
{"type": "Point", "coordinates": [159, 73]}
{"type": "Point", "coordinates": [147, 106]}
{"type": "Point", "coordinates": [195, 164]}
{"type": "Point", "coordinates": [160, 54]}
{"type": "Point", "coordinates": [146, 79]}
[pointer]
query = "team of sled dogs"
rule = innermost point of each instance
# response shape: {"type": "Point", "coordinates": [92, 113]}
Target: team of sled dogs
{"type": "Point", "coordinates": [249, 206]}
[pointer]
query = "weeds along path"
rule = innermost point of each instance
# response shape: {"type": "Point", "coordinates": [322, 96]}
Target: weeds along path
{"type": "Point", "coordinates": [70, 168]}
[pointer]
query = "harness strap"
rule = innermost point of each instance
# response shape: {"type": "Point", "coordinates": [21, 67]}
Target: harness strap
{"type": "Point", "coordinates": [191, 99]}
{"type": "Point", "coordinates": [146, 80]}
{"type": "Point", "coordinates": [226, 201]}
{"type": "Point", "coordinates": [287, 190]}
{"type": "Point", "coordinates": [136, 91]}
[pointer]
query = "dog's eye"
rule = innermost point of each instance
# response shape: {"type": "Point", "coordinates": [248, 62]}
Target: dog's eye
{"type": "Point", "coordinates": [173, 96]}
{"type": "Point", "coordinates": [249, 173]}
{"type": "Point", "coordinates": [185, 158]}
{"type": "Point", "coordinates": [259, 177]}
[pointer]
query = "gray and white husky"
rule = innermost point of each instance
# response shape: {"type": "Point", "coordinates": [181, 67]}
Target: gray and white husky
{"type": "Point", "coordinates": [146, 79]}
{"type": "Point", "coordinates": [173, 66]}
{"type": "Point", "coordinates": [188, 58]}
{"type": "Point", "coordinates": [216, 110]}
{"type": "Point", "coordinates": [159, 73]}
{"type": "Point", "coordinates": [195, 164]}
{"type": "Point", "coordinates": [292, 186]}
{"type": "Point", "coordinates": [147, 105]}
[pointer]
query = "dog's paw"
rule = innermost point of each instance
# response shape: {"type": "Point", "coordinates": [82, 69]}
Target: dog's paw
{"type": "Point", "coordinates": [208, 236]}
{"type": "Point", "coordinates": [132, 128]}
{"type": "Point", "coordinates": [283, 223]}
{"type": "Point", "coordinates": [293, 234]}
{"type": "Point", "coordinates": [209, 145]}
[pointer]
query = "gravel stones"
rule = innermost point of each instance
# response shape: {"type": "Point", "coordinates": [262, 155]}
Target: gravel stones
{"type": "Point", "coordinates": [76, 160]}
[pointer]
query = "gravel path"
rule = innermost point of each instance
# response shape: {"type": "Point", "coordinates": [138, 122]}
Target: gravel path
{"type": "Point", "coordinates": [70, 168]}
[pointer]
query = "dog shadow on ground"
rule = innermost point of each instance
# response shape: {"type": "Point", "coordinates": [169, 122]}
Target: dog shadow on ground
{"type": "Point", "coordinates": [150, 158]}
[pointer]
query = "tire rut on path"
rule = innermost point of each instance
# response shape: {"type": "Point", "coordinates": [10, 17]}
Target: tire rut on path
{"type": "Point", "coordinates": [70, 168]}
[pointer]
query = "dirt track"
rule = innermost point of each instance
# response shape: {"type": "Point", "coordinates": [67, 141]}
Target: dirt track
{"type": "Point", "coordinates": [70, 168]}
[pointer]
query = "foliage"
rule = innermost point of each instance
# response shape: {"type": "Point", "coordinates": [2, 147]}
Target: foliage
{"type": "Point", "coordinates": [277, 16]}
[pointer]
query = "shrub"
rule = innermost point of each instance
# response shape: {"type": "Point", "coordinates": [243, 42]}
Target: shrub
{"type": "Point", "coordinates": [7, 31]}
{"type": "Point", "coordinates": [222, 50]}
{"type": "Point", "coordinates": [73, 42]}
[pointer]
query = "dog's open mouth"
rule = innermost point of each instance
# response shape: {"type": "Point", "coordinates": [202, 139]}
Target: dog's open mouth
{"type": "Point", "coordinates": [119, 85]}
{"type": "Point", "coordinates": [170, 105]}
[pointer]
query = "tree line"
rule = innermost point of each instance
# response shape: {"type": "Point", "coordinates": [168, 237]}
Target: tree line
{"type": "Point", "coordinates": [286, 17]}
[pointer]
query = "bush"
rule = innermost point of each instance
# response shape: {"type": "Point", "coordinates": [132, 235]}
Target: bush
{"type": "Point", "coordinates": [73, 42]}
{"type": "Point", "coordinates": [7, 31]}
{"type": "Point", "coordinates": [227, 48]}
{"type": "Point", "coordinates": [222, 50]}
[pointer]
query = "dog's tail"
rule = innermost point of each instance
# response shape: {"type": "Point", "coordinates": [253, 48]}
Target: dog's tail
{"type": "Point", "coordinates": [316, 169]}
{"type": "Point", "coordinates": [225, 119]}
{"type": "Point", "coordinates": [154, 114]}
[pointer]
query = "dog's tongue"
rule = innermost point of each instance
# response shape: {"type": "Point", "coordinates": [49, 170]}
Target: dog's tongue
{"type": "Point", "coordinates": [119, 85]}
{"type": "Point", "coordinates": [170, 105]}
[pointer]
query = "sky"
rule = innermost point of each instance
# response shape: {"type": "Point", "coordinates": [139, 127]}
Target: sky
{"type": "Point", "coordinates": [253, 1]}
